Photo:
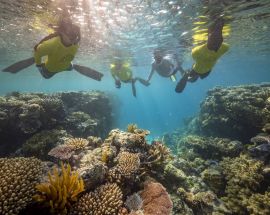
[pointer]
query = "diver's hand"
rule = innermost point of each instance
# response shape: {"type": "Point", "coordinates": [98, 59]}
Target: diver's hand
{"type": "Point", "coordinates": [117, 83]}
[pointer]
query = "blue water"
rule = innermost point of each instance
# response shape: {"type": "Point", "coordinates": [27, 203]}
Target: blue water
{"type": "Point", "coordinates": [157, 107]}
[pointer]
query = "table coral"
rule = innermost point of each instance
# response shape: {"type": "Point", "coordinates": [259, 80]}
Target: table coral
{"type": "Point", "coordinates": [18, 177]}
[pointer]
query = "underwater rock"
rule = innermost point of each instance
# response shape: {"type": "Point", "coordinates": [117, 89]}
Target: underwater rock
{"type": "Point", "coordinates": [261, 152]}
{"type": "Point", "coordinates": [26, 114]}
{"type": "Point", "coordinates": [156, 200]}
{"type": "Point", "coordinates": [235, 112]}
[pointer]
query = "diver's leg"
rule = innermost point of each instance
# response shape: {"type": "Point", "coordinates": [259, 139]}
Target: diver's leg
{"type": "Point", "coordinates": [182, 83]}
{"type": "Point", "coordinates": [193, 76]}
{"type": "Point", "coordinates": [203, 76]}
{"type": "Point", "coordinates": [133, 87]}
{"type": "Point", "coordinates": [45, 73]}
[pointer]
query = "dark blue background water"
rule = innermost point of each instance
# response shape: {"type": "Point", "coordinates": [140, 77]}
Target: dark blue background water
{"type": "Point", "coordinates": [157, 107]}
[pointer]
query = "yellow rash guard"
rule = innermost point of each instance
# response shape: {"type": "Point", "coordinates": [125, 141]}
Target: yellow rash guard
{"type": "Point", "coordinates": [206, 59]}
{"type": "Point", "coordinates": [124, 74]}
{"type": "Point", "coordinates": [58, 56]}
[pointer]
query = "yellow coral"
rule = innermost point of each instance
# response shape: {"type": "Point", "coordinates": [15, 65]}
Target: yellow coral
{"type": "Point", "coordinates": [61, 190]}
{"type": "Point", "coordinates": [77, 143]}
{"type": "Point", "coordinates": [131, 128]}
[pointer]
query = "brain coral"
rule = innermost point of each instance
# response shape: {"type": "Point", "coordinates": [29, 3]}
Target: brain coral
{"type": "Point", "coordinates": [105, 200]}
{"type": "Point", "coordinates": [18, 177]}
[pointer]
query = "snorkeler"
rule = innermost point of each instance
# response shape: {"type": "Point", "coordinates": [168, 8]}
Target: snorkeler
{"type": "Point", "coordinates": [164, 66]}
{"type": "Point", "coordinates": [54, 53]}
{"type": "Point", "coordinates": [121, 72]}
{"type": "Point", "coordinates": [205, 56]}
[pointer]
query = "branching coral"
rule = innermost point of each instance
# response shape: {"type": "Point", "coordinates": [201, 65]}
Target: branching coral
{"type": "Point", "coordinates": [18, 177]}
{"type": "Point", "coordinates": [60, 191]}
{"type": "Point", "coordinates": [244, 176]}
{"type": "Point", "coordinates": [105, 200]}
{"type": "Point", "coordinates": [78, 143]}
{"type": "Point", "coordinates": [258, 204]}
{"type": "Point", "coordinates": [131, 128]}
{"type": "Point", "coordinates": [159, 153]}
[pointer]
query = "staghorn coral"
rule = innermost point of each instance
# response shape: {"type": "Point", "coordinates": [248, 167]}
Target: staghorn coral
{"type": "Point", "coordinates": [131, 128]}
{"type": "Point", "coordinates": [159, 153]}
{"type": "Point", "coordinates": [18, 177]}
{"type": "Point", "coordinates": [156, 200]}
{"type": "Point", "coordinates": [258, 204]}
{"type": "Point", "coordinates": [60, 191]}
{"type": "Point", "coordinates": [105, 200]}
{"type": "Point", "coordinates": [77, 143]}
{"type": "Point", "coordinates": [243, 175]}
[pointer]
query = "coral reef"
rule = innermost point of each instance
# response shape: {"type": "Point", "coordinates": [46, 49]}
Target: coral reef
{"type": "Point", "coordinates": [80, 114]}
{"type": "Point", "coordinates": [60, 191]}
{"type": "Point", "coordinates": [259, 204]}
{"type": "Point", "coordinates": [18, 177]}
{"type": "Point", "coordinates": [40, 143]}
{"type": "Point", "coordinates": [236, 112]}
{"type": "Point", "coordinates": [210, 147]}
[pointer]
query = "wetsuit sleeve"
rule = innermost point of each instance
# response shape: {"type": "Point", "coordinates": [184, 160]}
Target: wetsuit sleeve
{"type": "Point", "coordinates": [41, 50]}
{"type": "Point", "coordinates": [151, 73]}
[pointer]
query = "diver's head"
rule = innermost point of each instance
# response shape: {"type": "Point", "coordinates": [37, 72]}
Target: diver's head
{"type": "Point", "coordinates": [158, 56]}
{"type": "Point", "coordinates": [69, 32]}
{"type": "Point", "coordinates": [118, 63]}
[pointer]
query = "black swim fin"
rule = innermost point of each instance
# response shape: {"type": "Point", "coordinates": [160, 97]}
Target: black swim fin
{"type": "Point", "coordinates": [17, 67]}
{"type": "Point", "coordinates": [91, 73]}
{"type": "Point", "coordinates": [181, 85]}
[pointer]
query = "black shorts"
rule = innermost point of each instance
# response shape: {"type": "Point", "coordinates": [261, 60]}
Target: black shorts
{"type": "Point", "coordinates": [202, 76]}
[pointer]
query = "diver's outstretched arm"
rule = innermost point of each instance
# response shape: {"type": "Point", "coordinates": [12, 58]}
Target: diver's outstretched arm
{"type": "Point", "coordinates": [215, 37]}
{"type": "Point", "coordinates": [91, 73]}
{"type": "Point", "coordinates": [151, 74]}
{"type": "Point", "coordinates": [142, 81]}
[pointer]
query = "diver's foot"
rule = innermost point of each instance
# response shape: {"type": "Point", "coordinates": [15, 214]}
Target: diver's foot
{"type": "Point", "coordinates": [181, 85]}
